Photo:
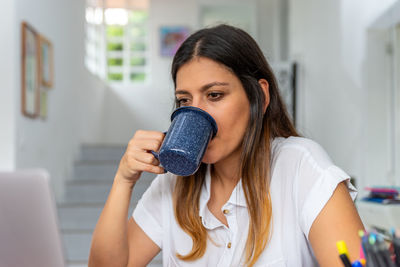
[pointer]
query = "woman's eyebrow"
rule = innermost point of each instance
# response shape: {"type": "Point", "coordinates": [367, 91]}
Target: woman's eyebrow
{"type": "Point", "coordinates": [203, 88]}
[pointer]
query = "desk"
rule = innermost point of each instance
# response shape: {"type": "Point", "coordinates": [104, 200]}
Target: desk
{"type": "Point", "coordinates": [379, 215]}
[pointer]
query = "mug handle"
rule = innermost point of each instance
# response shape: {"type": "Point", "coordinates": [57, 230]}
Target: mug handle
{"type": "Point", "coordinates": [156, 155]}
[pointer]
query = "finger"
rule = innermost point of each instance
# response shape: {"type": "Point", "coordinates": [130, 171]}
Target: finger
{"type": "Point", "coordinates": [150, 168]}
{"type": "Point", "coordinates": [149, 135]}
{"type": "Point", "coordinates": [143, 148]}
{"type": "Point", "coordinates": [144, 144]}
{"type": "Point", "coordinates": [146, 158]}
{"type": "Point", "coordinates": [152, 144]}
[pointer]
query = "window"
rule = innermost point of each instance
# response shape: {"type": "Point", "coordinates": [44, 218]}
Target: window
{"type": "Point", "coordinates": [240, 14]}
{"type": "Point", "coordinates": [117, 47]}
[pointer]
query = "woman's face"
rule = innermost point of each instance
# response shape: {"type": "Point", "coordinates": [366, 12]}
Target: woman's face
{"type": "Point", "coordinates": [210, 86]}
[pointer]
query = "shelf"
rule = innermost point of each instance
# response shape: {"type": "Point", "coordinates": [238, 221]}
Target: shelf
{"type": "Point", "coordinates": [379, 215]}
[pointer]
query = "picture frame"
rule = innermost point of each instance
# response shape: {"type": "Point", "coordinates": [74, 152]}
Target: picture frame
{"type": "Point", "coordinates": [46, 62]}
{"type": "Point", "coordinates": [171, 37]}
{"type": "Point", "coordinates": [43, 104]}
{"type": "Point", "coordinates": [30, 84]}
{"type": "Point", "coordinates": [286, 76]}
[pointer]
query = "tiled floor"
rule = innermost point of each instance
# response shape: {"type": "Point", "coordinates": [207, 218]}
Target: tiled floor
{"type": "Point", "coordinates": [85, 197]}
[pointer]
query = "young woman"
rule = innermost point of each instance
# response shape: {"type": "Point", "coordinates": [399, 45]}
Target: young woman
{"type": "Point", "coordinates": [263, 196]}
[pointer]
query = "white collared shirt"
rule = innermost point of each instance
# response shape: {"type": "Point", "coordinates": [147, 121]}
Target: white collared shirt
{"type": "Point", "coordinates": [303, 179]}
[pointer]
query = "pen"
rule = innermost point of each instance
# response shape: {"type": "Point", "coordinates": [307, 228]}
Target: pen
{"type": "Point", "coordinates": [370, 256]}
{"type": "Point", "coordinates": [384, 252]}
{"type": "Point", "coordinates": [396, 246]}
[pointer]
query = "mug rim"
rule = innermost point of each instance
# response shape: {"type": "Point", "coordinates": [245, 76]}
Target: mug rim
{"type": "Point", "coordinates": [199, 111]}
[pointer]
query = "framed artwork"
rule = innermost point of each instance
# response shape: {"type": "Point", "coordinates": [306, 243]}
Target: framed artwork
{"type": "Point", "coordinates": [46, 62]}
{"type": "Point", "coordinates": [43, 104]}
{"type": "Point", "coordinates": [171, 38]}
{"type": "Point", "coordinates": [30, 71]}
{"type": "Point", "coordinates": [286, 75]}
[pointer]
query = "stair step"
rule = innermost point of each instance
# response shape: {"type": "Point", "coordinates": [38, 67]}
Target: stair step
{"type": "Point", "coordinates": [154, 263]}
{"type": "Point", "coordinates": [95, 170]}
{"type": "Point", "coordinates": [102, 152]}
{"type": "Point", "coordinates": [145, 178]}
{"type": "Point", "coordinates": [77, 245]}
{"type": "Point", "coordinates": [78, 218]}
{"type": "Point", "coordinates": [95, 194]}
{"type": "Point", "coordinates": [85, 196]}
{"type": "Point", "coordinates": [77, 192]}
{"type": "Point", "coordinates": [151, 264]}
{"type": "Point", "coordinates": [81, 218]}
{"type": "Point", "coordinates": [78, 248]}
{"type": "Point", "coordinates": [76, 265]}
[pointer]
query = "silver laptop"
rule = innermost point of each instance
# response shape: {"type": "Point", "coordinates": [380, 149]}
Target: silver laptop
{"type": "Point", "coordinates": [29, 233]}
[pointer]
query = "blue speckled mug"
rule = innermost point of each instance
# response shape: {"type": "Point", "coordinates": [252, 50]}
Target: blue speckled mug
{"type": "Point", "coordinates": [186, 140]}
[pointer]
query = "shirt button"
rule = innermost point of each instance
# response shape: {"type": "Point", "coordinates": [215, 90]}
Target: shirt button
{"type": "Point", "coordinates": [225, 211]}
{"type": "Point", "coordinates": [229, 245]}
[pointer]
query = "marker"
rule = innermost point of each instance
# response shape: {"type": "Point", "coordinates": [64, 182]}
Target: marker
{"type": "Point", "coordinates": [396, 246]}
{"type": "Point", "coordinates": [345, 260]}
{"type": "Point", "coordinates": [372, 238]}
{"type": "Point", "coordinates": [370, 256]}
{"type": "Point", "coordinates": [380, 261]}
{"type": "Point", "coordinates": [356, 264]}
{"type": "Point", "coordinates": [342, 248]}
{"type": "Point", "coordinates": [343, 253]}
{"type": "Point", "coordinates": [362, 249]}
{"type": "Point", "coordinates": [384, 252]}
{"type": "Point", "coordinates": [363, 262]}
{"type": "Point", "coordinates": [361, 233]}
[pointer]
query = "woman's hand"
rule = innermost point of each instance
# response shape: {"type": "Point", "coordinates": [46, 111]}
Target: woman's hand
{"type": "Point", "coordinates": [138, 158]}
{"type": "Point", "coordinates": [110, 245]}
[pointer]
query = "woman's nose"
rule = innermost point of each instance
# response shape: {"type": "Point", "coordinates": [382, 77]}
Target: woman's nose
{"type": "Point", "coordinates": [198, 103]}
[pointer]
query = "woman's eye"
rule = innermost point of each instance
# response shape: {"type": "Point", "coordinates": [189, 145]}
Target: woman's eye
{"type": "Point", "coordinates": [214, 96]}
{"type": "Point", "coordinates": [182, 101]}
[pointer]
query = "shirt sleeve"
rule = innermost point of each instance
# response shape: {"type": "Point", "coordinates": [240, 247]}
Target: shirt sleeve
{"type": "Point", "coordinates": [148, 212]}
{"type": "Point", "coordinates": [317, 179]}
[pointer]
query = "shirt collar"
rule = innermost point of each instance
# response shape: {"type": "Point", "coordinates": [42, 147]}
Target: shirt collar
{"type": "Point", "coordinates": [237, 197]}
{"type": "Point", "coordinates": [205, 192]}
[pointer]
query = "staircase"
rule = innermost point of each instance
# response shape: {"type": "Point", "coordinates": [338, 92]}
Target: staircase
{"type": "Point", "coordinates": [85, 196]}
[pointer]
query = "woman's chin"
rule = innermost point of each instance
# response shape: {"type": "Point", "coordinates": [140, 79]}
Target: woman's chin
{"type": "Point", "coordinates": [208, 159]}
{"type": "Point", "coordinates": [211, 155]}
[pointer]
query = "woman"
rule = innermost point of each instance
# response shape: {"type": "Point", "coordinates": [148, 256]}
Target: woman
{"type": "Point", "coordinates": [263, 196]}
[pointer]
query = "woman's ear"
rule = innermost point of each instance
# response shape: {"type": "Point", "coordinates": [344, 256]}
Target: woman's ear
{"type": "Point", "coordinates": [265, 87]}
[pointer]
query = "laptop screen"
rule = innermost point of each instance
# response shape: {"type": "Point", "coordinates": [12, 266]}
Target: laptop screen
{"type": "Point", "coordinates": [29, 232]}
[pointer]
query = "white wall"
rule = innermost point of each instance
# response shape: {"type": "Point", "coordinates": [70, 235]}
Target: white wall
{"type": "Point", "coordinates": [8, 30]}
{"type": "Point", "coordinates": [328, 39]}
{"type": "Point", "coordinates": [149, 107]}
{"type": "Point", "coordinates": [53, 143]}
{"type": "Point", "coordinates": [383, 98]}
{"type": "Point", "coordinates": [81, 108]}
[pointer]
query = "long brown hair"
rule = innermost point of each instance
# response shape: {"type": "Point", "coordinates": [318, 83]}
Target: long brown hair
{"type": "Point", "coordinates": [237, 50]}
